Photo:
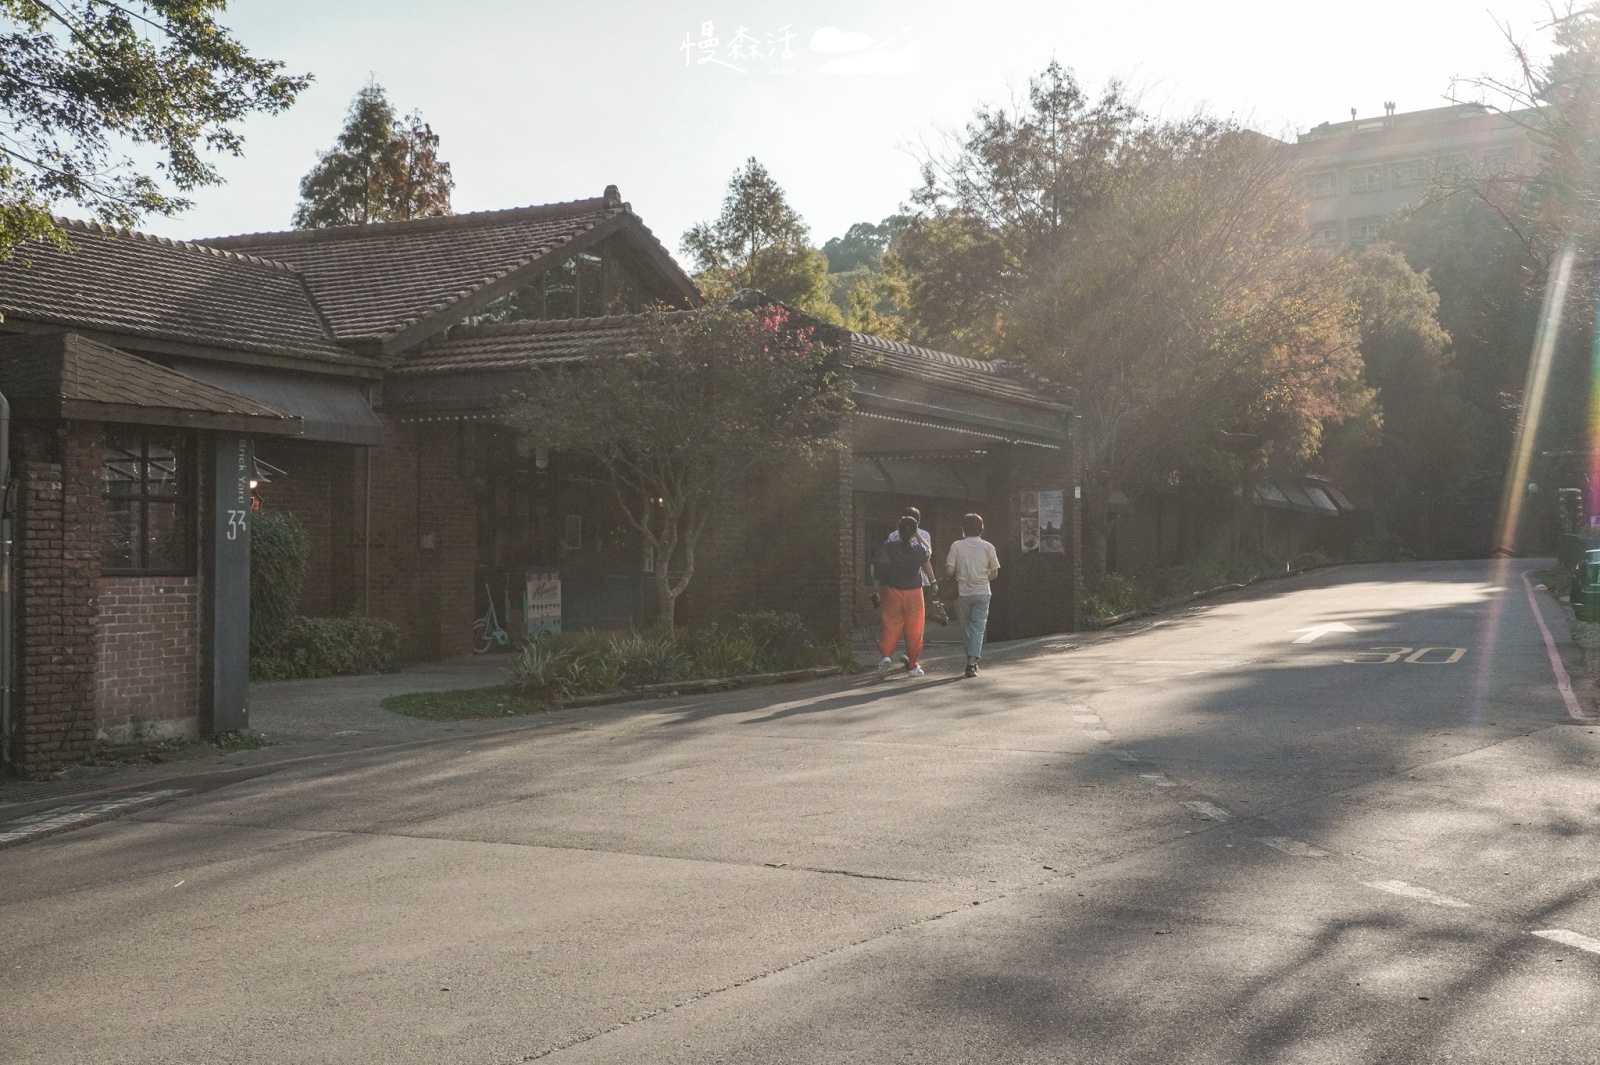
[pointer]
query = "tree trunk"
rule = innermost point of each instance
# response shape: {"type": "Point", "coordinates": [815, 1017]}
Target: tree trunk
{"type": "Point", "coordinates": [1096, 510]}
{"type": "Point", "coordinates": [666, 602]}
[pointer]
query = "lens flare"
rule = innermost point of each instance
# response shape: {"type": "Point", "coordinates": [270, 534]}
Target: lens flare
{"type": "Point", "coordinates": [1516, 482]}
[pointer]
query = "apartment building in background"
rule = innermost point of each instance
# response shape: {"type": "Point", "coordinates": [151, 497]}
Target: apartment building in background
{"type": "Point", "coordinates": [1361, 172]}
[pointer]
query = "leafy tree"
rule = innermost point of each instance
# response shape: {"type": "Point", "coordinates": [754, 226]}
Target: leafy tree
{"type": "Point", "coordinates": [383, 168]}
{"type": "Point", "coordinates": [78, 77]}
{"type": "Point", "coordinates": [710, 398]}
{"type": "Point", "coordinates": [1159, 270]}
{"type": "Point", "coordinates": [863, 244]}
{"type": "Point", "coordinates": [759, 241]}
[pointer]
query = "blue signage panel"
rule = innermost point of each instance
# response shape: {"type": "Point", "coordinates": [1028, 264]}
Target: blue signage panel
{"type": "Point", "coordinates": [230, 586]}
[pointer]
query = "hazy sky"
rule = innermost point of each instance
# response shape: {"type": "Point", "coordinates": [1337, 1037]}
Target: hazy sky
{"type": "Point", "coordinates": [544, 100]}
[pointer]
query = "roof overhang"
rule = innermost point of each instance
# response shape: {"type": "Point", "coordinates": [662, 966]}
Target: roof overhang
{"type": "Point", "coordinates": [926, 410]}
{"type": "Point", "coordinates": [332, 410]}
{"type": "Point", "coordinates": [64, 376]}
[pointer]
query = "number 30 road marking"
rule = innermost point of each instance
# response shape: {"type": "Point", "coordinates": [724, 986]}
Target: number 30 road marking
{"type": "Point", "coordinates": [1385, 656]}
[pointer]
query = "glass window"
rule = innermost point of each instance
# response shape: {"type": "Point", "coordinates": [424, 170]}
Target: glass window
{"type": "Point", "coordinates": [626, 295]}
{"type": "Point", "coordinates": [561, 291]}
{"type": "Point", "coordinates": [1321, 184]}
{"type": "Point", "coordinates": [586, 274]}
{"type": "Point", "coordinates": [149, 496]}
{"type": "Point", "coordinates": [1365, 229]}
{"type": "Point", "coordinates": [1410, 172]}
{"type": "Point", "coordinates": [1366, 179]}
{"type": "Point", "coordinates": [1325, 234]}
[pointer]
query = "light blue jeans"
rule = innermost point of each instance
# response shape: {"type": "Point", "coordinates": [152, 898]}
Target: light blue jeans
{"type": "Point", "coordinates": [973, 613]}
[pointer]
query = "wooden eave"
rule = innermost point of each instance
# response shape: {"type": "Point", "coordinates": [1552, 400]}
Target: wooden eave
{"type": "Point", "coordinates": [77, 410]}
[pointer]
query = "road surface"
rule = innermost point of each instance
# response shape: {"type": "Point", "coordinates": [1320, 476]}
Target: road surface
{"type": "Point", "coordinates": [1237, 833]}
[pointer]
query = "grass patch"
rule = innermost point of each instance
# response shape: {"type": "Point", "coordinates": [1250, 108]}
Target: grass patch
{"type": "Point", "coordinates": [496, 701]}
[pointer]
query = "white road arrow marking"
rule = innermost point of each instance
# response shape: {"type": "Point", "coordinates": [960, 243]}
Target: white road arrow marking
{"type": "Point", "coordinates": [1321, 630]}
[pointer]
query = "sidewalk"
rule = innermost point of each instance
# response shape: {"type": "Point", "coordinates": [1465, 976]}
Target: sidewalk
{"type": "Point", "coordinates": [297, 718]}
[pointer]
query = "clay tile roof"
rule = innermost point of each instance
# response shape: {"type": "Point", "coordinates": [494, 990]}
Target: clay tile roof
{"type": "Point", "coordinates": [121, 281]}
{"type": "Point", "coordinates": [66, 368]}
{"type": "Point", "coordinates": [524, 345]}
{"type": "Point", "coordinates": [375, 280]}
{"type": "Point", "coordinates": [991, 377]}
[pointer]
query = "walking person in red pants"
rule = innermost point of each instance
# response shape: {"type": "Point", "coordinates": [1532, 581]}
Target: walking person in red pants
{"type": "Point", "coordinates": [898, 571]}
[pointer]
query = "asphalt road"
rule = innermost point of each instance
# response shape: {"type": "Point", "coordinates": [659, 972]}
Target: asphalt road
{"type": "Point", "coordinates": [1190, 840]}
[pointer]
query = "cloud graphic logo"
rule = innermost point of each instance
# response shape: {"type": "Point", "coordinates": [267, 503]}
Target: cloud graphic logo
{"type": "Point", "coordinates": [833, 40]}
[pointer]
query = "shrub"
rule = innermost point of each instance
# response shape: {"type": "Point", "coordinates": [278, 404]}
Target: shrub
{"type": "Point", "coordinates": [649, 658]}
{"type": "Point", "coordinates": [329, 647]}
{"type": "Point", "coordinates": [781, 639]}
{"type": "Point", "coordinates": [719, 653]}
{"type": "Point", "coordinates": [1113, 594]}
{"type": "Point", "coordinates": [279, 551]}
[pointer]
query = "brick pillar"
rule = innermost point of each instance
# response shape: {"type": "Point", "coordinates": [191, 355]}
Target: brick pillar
{"type": "Point", "coordinates": [58, 565]}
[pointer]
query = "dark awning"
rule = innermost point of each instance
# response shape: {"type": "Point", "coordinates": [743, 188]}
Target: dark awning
{"type": "Point", "coordinates": [66, 376]}
{"type": "Point", "coordinates": [333, 408]}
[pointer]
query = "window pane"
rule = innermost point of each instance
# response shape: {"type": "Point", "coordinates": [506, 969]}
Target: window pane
{"type": "Point", "coordinates": [589, 285]}
{"type": "Point", "coordinates": [121, 470]}
{"type": "Point", "coordinates": [168, 543]}
{"type": "Point", "coordinates": [161, 470]}
{"type": "Point", "coordinates": [561, 291]}
{"type": "Point", "coordinates": [119, 547]}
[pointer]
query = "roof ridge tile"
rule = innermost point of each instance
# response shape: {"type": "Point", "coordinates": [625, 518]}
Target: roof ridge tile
{"type": "Point", "coordinates": [119, 232]}
{"type": "Point", "coordinates": [590, 205]}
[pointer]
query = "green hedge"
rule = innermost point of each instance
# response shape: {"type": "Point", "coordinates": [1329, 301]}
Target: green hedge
{"type": "Point", "coordinates": [279, 552]}
{"type": "Point", "coordinates": [329, 647]}
{"type": "Point", "coordinates": [588, 663]}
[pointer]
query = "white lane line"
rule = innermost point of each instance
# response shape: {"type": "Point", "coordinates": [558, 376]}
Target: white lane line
{"type": "Point", "coordinates": [1208, 811]}
{"type": "Point", "coordinates": [1571, 939]}
{"type": "Point", "coordinates": [81, 814]}
{"type": "Point", "coordinates": [1124, 756]}
{"type": "Point", "coordinates": [1157, 779]}
{"type": "Point", "coordinates": [1086, 719]}
{"type": "Point", "coordinates": [1563, 682]}
{"type": "Point", "coordinates": [1100, 734]}
{"type": "Point", "coordinates": [1293, 846]}
{"type": "Point", "coordinates": [1411, 891]}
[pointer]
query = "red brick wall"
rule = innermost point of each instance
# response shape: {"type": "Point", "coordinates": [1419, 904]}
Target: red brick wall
{"type": "Point", "coordinates": [148, 638]}
{"type": "Point", "coordinates": [58, 567]}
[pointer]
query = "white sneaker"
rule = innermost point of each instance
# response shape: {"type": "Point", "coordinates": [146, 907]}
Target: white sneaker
{"type": "Point", "coordinates": [915, 671]}
{"type": "Point", "coordinates": [884, 667]}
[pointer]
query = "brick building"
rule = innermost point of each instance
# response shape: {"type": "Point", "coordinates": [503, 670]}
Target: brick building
{"type": "Point", "coordinates": [358, 377]}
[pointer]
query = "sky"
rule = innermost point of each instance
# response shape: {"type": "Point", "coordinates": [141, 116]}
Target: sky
{"type": "Point", "coordinates": [538, 101]}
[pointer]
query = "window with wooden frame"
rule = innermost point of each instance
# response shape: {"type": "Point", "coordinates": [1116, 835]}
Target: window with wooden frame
{"type": "Point", "coordinates": [148, 479]}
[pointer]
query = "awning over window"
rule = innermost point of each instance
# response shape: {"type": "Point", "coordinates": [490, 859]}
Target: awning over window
{"type": "Point", "coordinates": [333, 408]}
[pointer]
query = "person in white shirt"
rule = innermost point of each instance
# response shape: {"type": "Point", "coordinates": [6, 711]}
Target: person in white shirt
{"type": "Point", "coordinates": [973, 563]}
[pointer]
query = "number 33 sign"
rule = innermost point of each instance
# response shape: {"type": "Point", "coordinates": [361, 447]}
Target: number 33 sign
{"type": "Point", "coordinates": [1425, 656]}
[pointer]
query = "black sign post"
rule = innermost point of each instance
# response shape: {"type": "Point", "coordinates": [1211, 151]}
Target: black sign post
{"type": "Point", "coordinates": [230, 586]}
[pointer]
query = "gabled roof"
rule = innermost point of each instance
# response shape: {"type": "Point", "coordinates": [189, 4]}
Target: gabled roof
{"type": "Point", "coordinates": [990, 377]}
{"type": "Point", "coordinates": [63, 375]}
{"type": "Point", "coordinates": [526, 345]}
{"type": "Point", "coordinates": [130, 283]}
{"type": "Point", "coordinates": [376, 282]}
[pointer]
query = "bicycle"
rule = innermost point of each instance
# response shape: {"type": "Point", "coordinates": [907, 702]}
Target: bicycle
{"type": "Point", "coordinates": [487, 631]}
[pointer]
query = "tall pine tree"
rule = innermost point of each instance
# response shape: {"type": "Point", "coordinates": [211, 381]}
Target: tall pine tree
{"type": "Point", "coordinates": [383, 168]}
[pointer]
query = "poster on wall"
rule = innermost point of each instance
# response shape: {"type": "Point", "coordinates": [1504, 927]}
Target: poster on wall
{"type": "Point", "coordinates": [1052, 538]}
{"type": "Point", "coordinates": [541, 603]}
{"type": "Point", "coordinates": [1030, 523]}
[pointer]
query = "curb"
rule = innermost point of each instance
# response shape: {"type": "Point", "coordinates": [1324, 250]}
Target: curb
{"type": "Point", "coordinates": [695, 687]}
{"type": "Point", "coordinates": [1134, 615]}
